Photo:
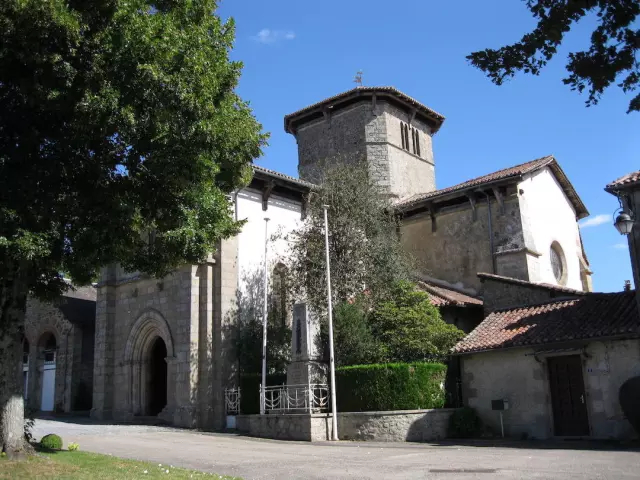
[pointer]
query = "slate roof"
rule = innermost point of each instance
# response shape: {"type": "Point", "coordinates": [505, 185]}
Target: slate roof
{"type": "Point", "coordinates": [437, 117]}
{"type": "Point", "coordinates": [504, 174]}
{"type": "Point", "coordinates": [443, 297]}
{"type": "Point", "coordinates": [591, 316]}
{"type": "Point", "coordinates": [624, 181]}
{"type": "Point", "coordinates": [281, 176]}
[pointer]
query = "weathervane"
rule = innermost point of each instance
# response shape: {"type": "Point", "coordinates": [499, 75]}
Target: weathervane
{"type": "Point", "coordinates": [358, 79]}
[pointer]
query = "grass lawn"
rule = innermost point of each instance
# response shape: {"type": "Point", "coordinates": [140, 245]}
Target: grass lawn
{"type": "Point", "coordinates": [73, 465]}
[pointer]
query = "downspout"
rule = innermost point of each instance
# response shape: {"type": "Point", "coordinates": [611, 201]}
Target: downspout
{"type": "Point", "coordinates": [493, 258]}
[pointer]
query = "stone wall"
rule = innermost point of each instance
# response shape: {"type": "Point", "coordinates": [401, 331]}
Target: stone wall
{"type": "Point", "coordinates": [364, 131]}
{"type": "Point", "coordinates": [393, 426]}
{"type": "Point", "coordinates": [500, 294]}
{"type": "Point", "coordinates": [517, 376]}
{"type": "Point", "coordinates": [458, 247]}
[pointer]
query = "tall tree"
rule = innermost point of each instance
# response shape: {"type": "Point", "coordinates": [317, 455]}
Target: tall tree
{"type": "Point", "coordinates": [364, 247]}
{"type": "Point", "coordinates": [612, 56]}
{"type": "Point", "coordinates": [120, 139]}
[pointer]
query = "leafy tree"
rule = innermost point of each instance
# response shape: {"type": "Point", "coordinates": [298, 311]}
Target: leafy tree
{"type": "Point", "coordinates": [354, 343]}
{"type": "Point", "coordinates": [120, 139]}
{"type": "Point", "coordinates": [249, 346]}
{"type": "Point", "coordinates": [364, 248]}
{"type": "Point", "coordinates": [410, 328]}
{"type": "Point", "coordinates": [612, 56]}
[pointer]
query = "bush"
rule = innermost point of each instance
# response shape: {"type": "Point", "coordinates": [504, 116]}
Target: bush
{"type": "Point", "coordinates": [464, 423]}
{"type": "Point", "coordinates": [392, 386]}
{"type": "Point", "coordinates": [73, 447]}
{"type": "Point", "coordinates": [51, 442]}
{"type": "Point", "coordinates": [250, 390]}
{"type": "Point", "coordinates": [29, 423]}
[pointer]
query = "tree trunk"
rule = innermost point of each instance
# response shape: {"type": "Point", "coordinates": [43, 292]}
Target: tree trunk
{"type": "Point", "coordinates": [13, 295]}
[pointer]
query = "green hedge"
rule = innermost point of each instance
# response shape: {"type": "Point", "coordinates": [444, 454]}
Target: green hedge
{"type": "Point", "coordinates": [250, 390]}
{"type": "Point", "coordinates": [391, 386]}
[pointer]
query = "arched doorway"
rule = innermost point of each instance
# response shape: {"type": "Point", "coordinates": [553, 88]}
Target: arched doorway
{"type": "Point", "coordinates": [156, 377]}
{"type": "Point", "coordinates": [48, 346]}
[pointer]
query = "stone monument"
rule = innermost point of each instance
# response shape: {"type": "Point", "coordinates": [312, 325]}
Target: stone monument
{"type": "Point", "coordinates": [306, 365]}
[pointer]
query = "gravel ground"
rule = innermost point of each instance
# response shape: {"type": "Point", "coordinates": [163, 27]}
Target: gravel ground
{"type": "Point", "coordinates": [252, 458]}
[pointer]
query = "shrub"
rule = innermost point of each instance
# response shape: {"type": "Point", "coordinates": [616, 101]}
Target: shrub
{"type": "Point", "coordinates": [73, 447]}
{"type": "Point", "coordinates": [392, 386]}
{"type": "Point", "coordinates": [464, 423]}
{"type": "Point", "coordinates": [250, 390]}
{"type": "Point", "coordinates": [51, 442]}
{"type": "Point", "coordinates": [29, 423]}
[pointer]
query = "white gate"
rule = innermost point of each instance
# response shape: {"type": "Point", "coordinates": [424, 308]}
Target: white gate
{"type": "Point", "coordinates": [48, 382]}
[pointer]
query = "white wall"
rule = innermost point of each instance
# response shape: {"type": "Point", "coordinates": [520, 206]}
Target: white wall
{"type": "Point", "coordinates": [284, 216]}
{"type": "Point", "coordinates": [548, 216]}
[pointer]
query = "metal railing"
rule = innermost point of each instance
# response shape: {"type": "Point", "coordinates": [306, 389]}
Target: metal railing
{"type": "Point", "coordinates": [311, 398]}
{"type": "Point", "coordinates": [232, 401]}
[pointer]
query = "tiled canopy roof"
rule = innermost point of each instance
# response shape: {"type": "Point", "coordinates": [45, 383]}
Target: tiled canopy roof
{"type": "Point", "coordinates": [505, 174]}
{"type": "Point", "coordinates": [282, 176]}
{"type": "Point", "coordinates": [592, 316]}
{"type": "Point", "coordinates": [625, 181]}
{"type": "Point", "coordinates": [435, 116]}
{"type": "Point", "coordinates": [443, 297]}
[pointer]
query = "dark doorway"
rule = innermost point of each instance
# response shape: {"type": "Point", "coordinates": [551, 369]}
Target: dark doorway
{"type": "Point", "coordinates": [568, 396]}
{"type": "Point", "coordinates": [157, 399]}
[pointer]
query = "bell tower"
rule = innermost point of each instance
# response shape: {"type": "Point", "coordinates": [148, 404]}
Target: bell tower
{"type": "Point", "coordinates": [382, 126]}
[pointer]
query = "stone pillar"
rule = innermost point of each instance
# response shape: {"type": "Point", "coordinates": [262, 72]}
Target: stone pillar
{"type": "Point", "coordinates": [103, 362]}
{"type": "Point", "coordinates": [205, 339]}
{"type": "Point", "coordinates": [225, 285]}
{"type": "Point", "coordinates": [306, 366]}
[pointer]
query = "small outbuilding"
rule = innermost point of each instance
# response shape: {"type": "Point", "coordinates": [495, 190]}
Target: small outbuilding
{"type": "Point", "coordinates": [557, 362]}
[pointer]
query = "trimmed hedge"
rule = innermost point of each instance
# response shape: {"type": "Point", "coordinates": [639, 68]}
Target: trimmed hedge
{"type": "Point", "coordinates": [391, 386]}
{"type": "Point", "coordinates": [250, 390]}
{"type": "Point", "coordinates": [51, 442]}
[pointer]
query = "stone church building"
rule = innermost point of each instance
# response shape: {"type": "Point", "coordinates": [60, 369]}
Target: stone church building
{"type": "Point", "coordinates": [163, 346]}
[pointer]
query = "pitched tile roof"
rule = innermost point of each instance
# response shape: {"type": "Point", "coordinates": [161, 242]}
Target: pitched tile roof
{"type": "Point", "coordinates": [281, 176]}
{"type": "Point", "coordinates": [437, 117]}
{"type": "Point", "coordinates": [442, 296]}
{"type": "Point", "coordinates": [592, 316]}
{"type": "Point", "coordinates": [524, 283]}
{"type": "Point", "coordinates": [504, 174]}
{"type": "Point", "coordinates": [624, 181]}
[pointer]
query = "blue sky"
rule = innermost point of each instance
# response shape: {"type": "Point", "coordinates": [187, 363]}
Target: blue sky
{"type": "Point", "coordinates": [298, 52]}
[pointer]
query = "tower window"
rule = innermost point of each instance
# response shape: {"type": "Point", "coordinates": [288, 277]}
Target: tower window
{"type": "Point", "coordinates": [558, 263]}
{"type": "Point", "coordinates": [415, 138]}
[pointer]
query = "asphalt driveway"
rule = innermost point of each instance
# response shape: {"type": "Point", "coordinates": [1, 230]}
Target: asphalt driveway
{"type": "Point", "coordinates": [252, 458]}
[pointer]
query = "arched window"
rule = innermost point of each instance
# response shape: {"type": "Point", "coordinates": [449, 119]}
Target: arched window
{"type": "Point", "coordinates": [404, 146]}
{"type": "Point", "coordinates": [406, 137]}
{"type": "Point", "coordinates": [558, 263]}
{"type": "Point", "coordinates": [413, 139]}
{"type": "Point", "coordinates": [280, 294]}
{"type": "Point", "coordinates": [417, 152]}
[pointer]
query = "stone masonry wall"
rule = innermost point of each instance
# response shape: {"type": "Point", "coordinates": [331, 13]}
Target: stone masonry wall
{"type": "Point", "coordinates": [459, 247]}
{"type": "Point", "coordinates": [392, 426]}
{"type": "Point", "coordinates": [517, 376]}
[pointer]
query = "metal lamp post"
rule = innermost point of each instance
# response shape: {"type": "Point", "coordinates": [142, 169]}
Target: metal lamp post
{"type": "Point", "coordinates": [332, 365]}
{"type": "Point", "coordinates": [263, 385]}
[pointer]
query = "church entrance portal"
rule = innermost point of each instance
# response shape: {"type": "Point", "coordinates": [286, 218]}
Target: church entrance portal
{"type": "Point", "coordinates": [157, 377]}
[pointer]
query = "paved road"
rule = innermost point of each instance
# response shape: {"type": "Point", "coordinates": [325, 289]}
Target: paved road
{"type": "Point", "coordinates": [252, 458]}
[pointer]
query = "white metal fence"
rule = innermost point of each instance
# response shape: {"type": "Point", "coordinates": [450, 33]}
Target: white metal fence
{"type": "Point", "coordinates": [296, 398]}
{"type": "Point", "coordinates": [232, 401]}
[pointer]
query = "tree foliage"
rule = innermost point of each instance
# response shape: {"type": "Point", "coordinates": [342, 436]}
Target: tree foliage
{"type": "Point", "coordinates": [120, 139]}
{"type": "Point", "coordinates": [612, 56]}
{"type": "Point", "coordinates": [401, 327]}
{"type": "Point", "coordinates": [364, 248]}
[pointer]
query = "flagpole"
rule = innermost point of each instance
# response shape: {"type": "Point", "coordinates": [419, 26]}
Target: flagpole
{"type": "Point", "coordinates": [332, 366]}
{"type": "Point", "coordinates": [263, 385]}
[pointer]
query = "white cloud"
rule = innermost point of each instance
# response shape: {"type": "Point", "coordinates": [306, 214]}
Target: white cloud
{"type": "Point", "coordinates": [268, 36]}
{"type": "Point", "coordinates": [595, 221]}
{"type": "Point", "coordinates": [621, 246]}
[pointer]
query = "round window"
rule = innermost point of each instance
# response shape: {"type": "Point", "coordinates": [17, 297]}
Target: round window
{"type": "Point", "coordinates": [557, 262]}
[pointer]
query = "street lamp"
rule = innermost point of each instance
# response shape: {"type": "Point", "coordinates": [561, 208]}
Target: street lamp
{"type": "Point", "coordinates": [623, 223]}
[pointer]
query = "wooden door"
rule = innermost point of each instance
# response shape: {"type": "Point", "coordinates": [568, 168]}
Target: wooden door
{"type": "Point", "coordinates": [568, 398]}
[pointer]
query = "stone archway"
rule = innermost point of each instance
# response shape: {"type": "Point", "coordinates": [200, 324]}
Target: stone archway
{"type": "Point", "coordinates": [149, 343]}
